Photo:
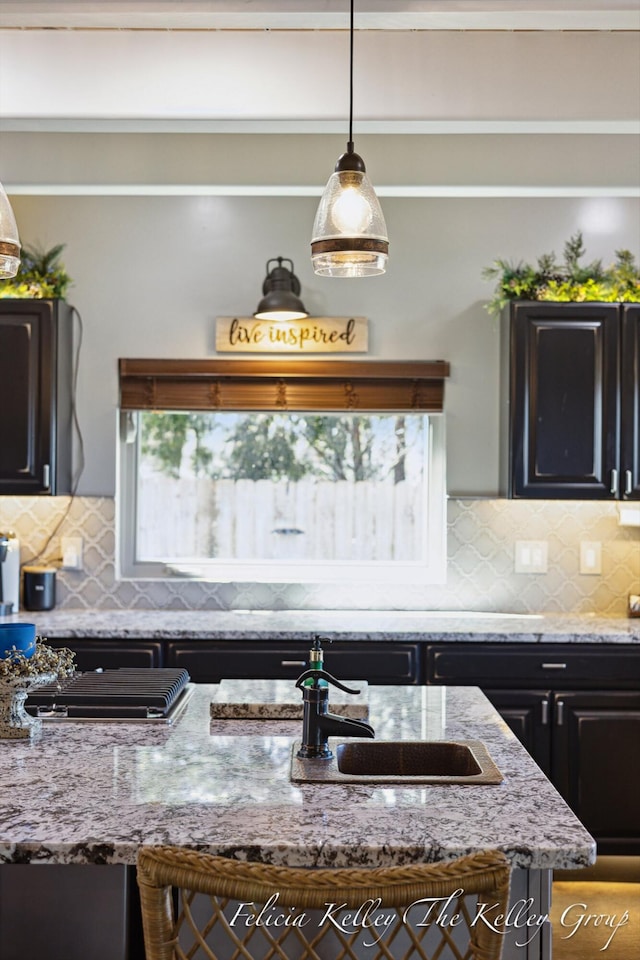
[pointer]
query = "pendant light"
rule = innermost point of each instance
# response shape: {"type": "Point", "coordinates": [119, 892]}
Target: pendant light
{"type": "Point", "coordinates": [9, 240]}
{"type": "Point", "coordinates": [281, 290]}
{"type": "Point", "coordinates": [349, 233]}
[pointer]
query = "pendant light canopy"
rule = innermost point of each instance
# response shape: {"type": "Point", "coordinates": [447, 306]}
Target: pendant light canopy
{"type": "Point", "coordinates": [9, 240]}
{"type": "Point", "coordinates": [349, 233]}
{"type": "Point", "coordinates": [281, 290]}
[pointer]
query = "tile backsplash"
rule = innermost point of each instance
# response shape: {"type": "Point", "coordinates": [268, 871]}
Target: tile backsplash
{"type": "Point", "coordinates": [480, 571]}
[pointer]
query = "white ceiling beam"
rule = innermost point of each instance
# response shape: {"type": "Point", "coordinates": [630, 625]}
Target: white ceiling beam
{"type": "Point", "coordinates": [336, 126]}
{"type": "Point", "coordinates": [325, 15]}
{"type": "Point", "coordinates": [287, 190]}
{"type": "Point", "coordinates": [239, 78]}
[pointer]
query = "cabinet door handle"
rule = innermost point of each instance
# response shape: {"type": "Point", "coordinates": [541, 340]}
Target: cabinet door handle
{"type": "Point", "coordinates": [293, 663]}
{"type": "Point", "coordinates": [46, 476]}
{"type": "Point", "coordinates": [554, 666]}
{"type": "Point", "coordinates": [560, 713]}
{"type": "Point", "coordinates": [614, 482]}
{"type": "Point", "coordinates": [628, 482]}
{"type": "Point", "coordinates": [544, 713]}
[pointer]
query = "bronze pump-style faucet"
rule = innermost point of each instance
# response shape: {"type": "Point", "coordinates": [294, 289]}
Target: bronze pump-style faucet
{"type": "Point", "coordinates": [317, 723]}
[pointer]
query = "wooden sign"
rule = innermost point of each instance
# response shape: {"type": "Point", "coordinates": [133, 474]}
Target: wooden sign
{"type": "Point", "coordinates": [311, 335]}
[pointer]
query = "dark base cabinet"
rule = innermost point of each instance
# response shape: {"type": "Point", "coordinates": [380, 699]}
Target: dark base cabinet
{"type": "Point", "coordinates": [596, 764]}
{"type": "Point", "coordinates": [577, 712]}
{"type": "Point", "coordinates": [527, 713]}
{"type": "Point", "coordinates": [378, 663]}
{"type": "Point", "coordinates": [210, 661]}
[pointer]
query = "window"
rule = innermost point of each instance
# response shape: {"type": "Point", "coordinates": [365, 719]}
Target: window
{"type": "Point", "coordinates": [281, 495]}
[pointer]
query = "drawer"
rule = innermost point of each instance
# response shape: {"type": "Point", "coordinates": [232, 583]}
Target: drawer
{"type": "Point", "coordinates": [212, 661]}
{"type": "Point", "coordinates": [547, 665]}
{"type": "Point", "coordinates": [110, 654]}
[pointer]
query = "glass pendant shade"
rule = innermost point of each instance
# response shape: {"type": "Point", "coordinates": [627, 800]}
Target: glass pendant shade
{"type": "Point", "coordinates": [349, 233]}
{"type": "Point", "coordinates": [9, 240]}
{"type": "Point", "coordinates": [281, 299]}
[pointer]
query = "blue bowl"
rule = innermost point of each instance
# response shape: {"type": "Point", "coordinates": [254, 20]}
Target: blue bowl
{"type": "Point", "coordinates": [20, 637]}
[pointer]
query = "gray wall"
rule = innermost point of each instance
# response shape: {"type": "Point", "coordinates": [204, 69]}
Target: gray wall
{"type": "Point", "coordinates": [151, 273]}
{"type": "Point", "coordinates": [174, 164]}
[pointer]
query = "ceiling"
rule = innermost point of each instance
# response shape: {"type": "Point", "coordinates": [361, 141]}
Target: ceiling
{"type": "Point", "coordinates": [425, 69]}
{"type": "Point", "coordinates": [324, 14]}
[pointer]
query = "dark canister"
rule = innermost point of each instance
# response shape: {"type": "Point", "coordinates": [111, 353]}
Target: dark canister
{"type": "Point", "coordinates": [39, 588]}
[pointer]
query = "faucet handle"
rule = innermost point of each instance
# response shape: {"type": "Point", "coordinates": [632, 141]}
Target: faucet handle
{"type": "Point", "coordinates": [323, 675]}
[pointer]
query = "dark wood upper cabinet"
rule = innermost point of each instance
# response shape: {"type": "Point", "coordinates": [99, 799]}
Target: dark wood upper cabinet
{"type": "Point", "coordinates": [35, 397]}
{"type": "Point", "coordinates": [630, 403]}
{"type": "Point", "coordinates": [570, 410]}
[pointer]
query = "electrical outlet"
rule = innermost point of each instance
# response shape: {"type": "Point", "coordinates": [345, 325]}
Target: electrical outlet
{"type": "Point", "coordinates": [71, 553]}
{"type": "Point", "coordinates": [531, 556]}
{"type": "Point", "coordinates": [590, 557]}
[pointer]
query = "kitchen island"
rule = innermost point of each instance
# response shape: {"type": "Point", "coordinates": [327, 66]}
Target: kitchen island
{"type": "Point", "coordinates": [568, 685]}
{"type": "Point", "coordinates": [85, 796]}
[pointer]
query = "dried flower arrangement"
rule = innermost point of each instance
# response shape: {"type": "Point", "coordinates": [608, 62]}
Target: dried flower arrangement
{"type": "Point", "coordinates": [44, 660]}
{"type": "Point", "coordinates": [19, 675]}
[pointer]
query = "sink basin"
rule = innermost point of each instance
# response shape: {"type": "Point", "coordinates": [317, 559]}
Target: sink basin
{"type": "Point", "coordinates": [399, 761]}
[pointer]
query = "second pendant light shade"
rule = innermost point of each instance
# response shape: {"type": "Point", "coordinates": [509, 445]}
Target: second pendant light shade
{"type": "Point", "coordinates": [349, 233]}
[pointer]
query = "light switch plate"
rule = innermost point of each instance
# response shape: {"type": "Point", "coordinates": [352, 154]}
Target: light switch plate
{"type": "Point", "coordinates": [531, 556]}
{"type": "Point", "coordinates": [590, 557]}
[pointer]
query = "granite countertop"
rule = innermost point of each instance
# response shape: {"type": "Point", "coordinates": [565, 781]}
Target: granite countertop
{"type": "Point", "coordinates": [94, 792]}
{"type": "Point", "coordinates": [373, 625]}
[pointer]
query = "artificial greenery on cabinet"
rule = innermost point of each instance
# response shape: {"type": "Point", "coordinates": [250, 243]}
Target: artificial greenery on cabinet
{"type": "Point", "coordinates": [41, 276]}
{"type": "Point", "coordinates": [568, 281]}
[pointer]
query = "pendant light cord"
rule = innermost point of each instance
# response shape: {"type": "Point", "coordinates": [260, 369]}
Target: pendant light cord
{"type": "Point", "coordinates": [350, 143]}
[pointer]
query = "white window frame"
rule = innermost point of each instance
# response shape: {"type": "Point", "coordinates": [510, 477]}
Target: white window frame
{"type": "Point", "coordinates": [431, 570]}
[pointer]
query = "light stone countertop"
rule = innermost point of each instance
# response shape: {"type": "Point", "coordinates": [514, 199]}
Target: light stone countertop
{"type": "Point", "coordinates": [302, 625]}
{"type": "Point", "coordinates": [94, 792]}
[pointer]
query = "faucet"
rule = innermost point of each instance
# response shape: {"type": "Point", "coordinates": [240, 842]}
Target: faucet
{"type": "Point", "coordinates": [317, 723]}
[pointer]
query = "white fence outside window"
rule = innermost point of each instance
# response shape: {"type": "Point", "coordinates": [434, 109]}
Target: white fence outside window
{"type": "Point", "coordinates": [263, 519]}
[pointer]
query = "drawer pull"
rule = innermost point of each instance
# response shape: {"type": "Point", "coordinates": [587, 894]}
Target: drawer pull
{"type": "Point", "coordinates": [554, 666]}
{"type": "Point", "coordinates": [544, 713]}
{"type": "Point", "coordinates": [628, 482]}
{"type": "Point", "coordinates": [293, 663]}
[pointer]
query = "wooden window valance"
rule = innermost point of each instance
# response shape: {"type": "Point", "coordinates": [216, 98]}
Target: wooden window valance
{"type": "Point", "coordinates": [307, 385]}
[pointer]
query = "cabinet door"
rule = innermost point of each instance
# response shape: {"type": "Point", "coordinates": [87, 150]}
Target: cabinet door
{"type": "Point", "coordinates": [528, 713]}
{"type": "Point", "coordinates": [26, 396]}
{"type": "Point", "coordinates": [595, 764]}
{"type": "Point", "coordinates": [630, 404]}
{"type": "Point", "coordinates": [563, 427]}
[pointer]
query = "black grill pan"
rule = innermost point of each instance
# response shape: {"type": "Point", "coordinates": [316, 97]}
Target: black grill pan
{"type": "Point", "coordinates": [128, 692]}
